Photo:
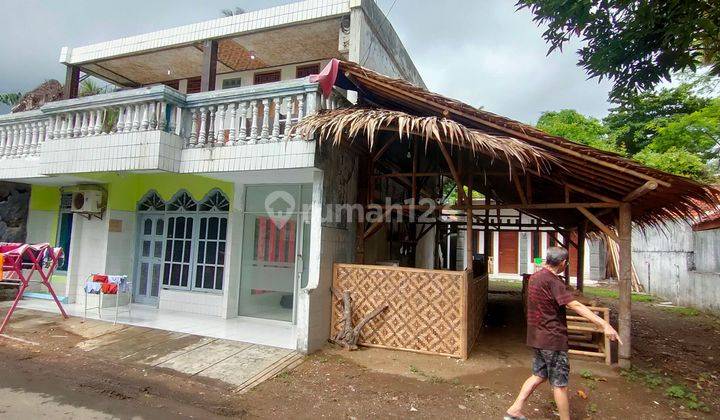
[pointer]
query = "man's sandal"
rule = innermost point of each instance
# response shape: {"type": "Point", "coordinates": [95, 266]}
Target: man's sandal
{"type": "Point", "coordinates": [509, 417]}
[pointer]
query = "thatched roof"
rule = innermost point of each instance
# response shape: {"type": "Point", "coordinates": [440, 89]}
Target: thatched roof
{"type": "Point", "coordinates": [393, 103]}
{"type": "Point", "coordinates": [49, 91]}
{"type": "Point", "coordinates": [338, 124]}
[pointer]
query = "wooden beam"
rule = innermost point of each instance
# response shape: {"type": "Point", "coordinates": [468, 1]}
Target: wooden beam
{"type": "Point", "coordinates": [383, 149]}
{"type": "Point", "coordinates": [72, 82]}
{"type": "Point", "coordinates": [597, 222]}
{"type": "Point", "coordinates": [535, 206]}
{"type": "Point", "coordinates": [581, 233]}
{"type": "Point", "coordinates": [625, 284]}
{"type": "Point", "coordinates": [373, 229]}
{"type": "Point", "coordinates": [453, 171]}
{"type": "Point", "coordinates": [592, 194]}
{"type": "Point", "coordinates": [469, 231]}
{"type": "Point", "coordinates": [641, 190]}
{"type": "Point", "coordinates": [209, 67]}
{"type": "Point", "coordinates": [519, 189]}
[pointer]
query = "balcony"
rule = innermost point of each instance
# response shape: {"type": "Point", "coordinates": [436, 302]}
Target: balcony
{"type": "Point", "coordinates": [160, 129]}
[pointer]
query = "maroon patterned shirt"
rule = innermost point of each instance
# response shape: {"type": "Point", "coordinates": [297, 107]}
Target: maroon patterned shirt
{"type": "Point", "coordinates": [546, 300]}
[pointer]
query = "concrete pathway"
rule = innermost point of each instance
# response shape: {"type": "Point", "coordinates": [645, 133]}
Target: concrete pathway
{"type": "Point", "coordinates": [239, 364]}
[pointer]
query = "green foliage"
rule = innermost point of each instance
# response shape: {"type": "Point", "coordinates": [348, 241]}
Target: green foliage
{"type": "Point", "coordinates": [586, 374]}
{"type": "Point", "coordinates": [574, 126]}
{"type": "Point", "coordinates": [697, 132]}
{"type": "Point", "coordinates": [89, 87]}
{"type": "Point", "coordinates": [613, 294]}
{"type": "Point", "coordinates": [450, 191]}
{"type": "Point", "coordinates": [635, 121]}
{"type": "Point", "coordinates": [682, 311]}
{"type": "Point", "coordinates": [10, 98]}
{"type": "Point", "coordinates": [675, 160]}
{"type": "Point", "coordinates": [634, 43]}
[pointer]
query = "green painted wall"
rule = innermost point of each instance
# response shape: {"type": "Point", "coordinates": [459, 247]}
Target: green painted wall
{"type": "Point", "coordinates": [125, 190]}
{"type": "Point", "coordinates": [44, 198]}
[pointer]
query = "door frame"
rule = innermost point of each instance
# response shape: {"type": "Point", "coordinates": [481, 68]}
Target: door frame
{"type": "Point", "coordinates": [147, 300]}
{"type": "Point", "coordinates": [517, 251]}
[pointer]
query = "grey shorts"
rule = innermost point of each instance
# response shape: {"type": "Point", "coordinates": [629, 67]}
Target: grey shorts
{"type": "Point", "coordinates": [552, 365]}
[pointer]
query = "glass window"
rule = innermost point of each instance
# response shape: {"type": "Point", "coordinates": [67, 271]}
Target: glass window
{"type": "Point", "coordinates": [232, 83]}
{"type": "Point", "coordinates": [194, 255]}
{"type": "Point", "coordinates": [151, 202]}
{"type": "Point", "coordinates": [211, 253]}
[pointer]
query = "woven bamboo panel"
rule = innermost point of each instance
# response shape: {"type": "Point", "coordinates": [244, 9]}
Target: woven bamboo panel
{"type": "Point", "coordinates": [425, 313]}
{"type": "Point", "coordinates": [476, 308]}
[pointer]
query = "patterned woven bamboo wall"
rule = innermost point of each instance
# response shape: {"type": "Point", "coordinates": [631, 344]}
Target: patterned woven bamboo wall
{"type": "Point", "coordinates": [476, 307]}
{"type": "Point", "coordinates": [427, 310]}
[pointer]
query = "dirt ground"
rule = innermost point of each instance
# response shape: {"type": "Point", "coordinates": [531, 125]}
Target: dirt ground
{"type": "Point", "coordinates": [672, 351]}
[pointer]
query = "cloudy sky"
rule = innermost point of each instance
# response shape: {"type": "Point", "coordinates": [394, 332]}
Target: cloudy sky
{"type": "Point", "coordinates": [481, 52]}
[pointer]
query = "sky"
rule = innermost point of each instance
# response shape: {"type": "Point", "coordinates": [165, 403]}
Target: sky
{"type": "Point", "coordinates": [484, 53]}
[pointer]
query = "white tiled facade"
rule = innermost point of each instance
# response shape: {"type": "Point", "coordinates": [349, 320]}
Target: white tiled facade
{"type": "Point", "coordinates": [68, 142]}
{"type": "Point", "coordinates": [229, 26]}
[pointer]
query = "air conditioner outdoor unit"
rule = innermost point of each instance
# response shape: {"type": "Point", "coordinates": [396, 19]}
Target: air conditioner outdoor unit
{"type": "Point", "coordinates": [88, 201]}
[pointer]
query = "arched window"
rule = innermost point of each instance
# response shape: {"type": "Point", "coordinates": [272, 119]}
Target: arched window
{"type": "Point", "coordinates": [215, 201]}
{"type": "Point", "coordinates": [151, 202]}
{"type": "Point", "coordinates": [182, 202]}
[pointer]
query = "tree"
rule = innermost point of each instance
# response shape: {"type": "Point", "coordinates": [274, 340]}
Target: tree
{"type": "Point", "coordinates": [574, 126]}
{"type": "Point", "coordinates": [10, 98]}
{"type": "Point", "coordinates": [635, 121]}
{"type": "Point", "coordinates": [676, 161]}
{"type": "Point", "coordinates": [634, 43]}
{"type": "Point", "coordinates": [697, 132]}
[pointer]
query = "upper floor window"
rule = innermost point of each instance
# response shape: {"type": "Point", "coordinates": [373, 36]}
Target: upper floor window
{"type": "Point", "coordinates": [193, 85]}
{"type": "Point", "coordinates": [266, 77]}
{"type": "Point", "coordinates": [232, 83]}
{"type": "Point", "coordinates": [307, 70]}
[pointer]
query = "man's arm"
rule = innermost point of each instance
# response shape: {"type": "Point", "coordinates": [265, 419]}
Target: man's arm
{"type": "Point", "coordinates": [583, 311]}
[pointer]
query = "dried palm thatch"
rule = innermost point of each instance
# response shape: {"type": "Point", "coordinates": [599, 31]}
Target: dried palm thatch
{"type": "Point", "coordinates": [606, 173]}
{"type": "Point", "coordinates": [348, 124]}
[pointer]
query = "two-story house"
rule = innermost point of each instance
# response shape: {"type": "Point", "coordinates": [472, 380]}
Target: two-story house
{"type": "Point", "coordinates": [206, 203]}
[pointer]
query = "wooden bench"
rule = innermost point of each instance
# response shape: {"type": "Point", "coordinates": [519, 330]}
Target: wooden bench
{"type": "Point", "coordinates": [586, 338]}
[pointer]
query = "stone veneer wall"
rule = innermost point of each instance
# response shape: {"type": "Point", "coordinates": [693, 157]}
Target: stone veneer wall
{"type": "Point", "coordinates": [14, 199]}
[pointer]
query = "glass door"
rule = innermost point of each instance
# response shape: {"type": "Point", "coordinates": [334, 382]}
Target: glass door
{"type": "Point", "coordinates": [273, 249]}
{"type": "Point", "coordinates": [150, 261]}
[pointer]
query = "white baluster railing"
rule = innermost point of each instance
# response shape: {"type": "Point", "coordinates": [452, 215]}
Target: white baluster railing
{"type": "Point", "coordinates": [250, 115]}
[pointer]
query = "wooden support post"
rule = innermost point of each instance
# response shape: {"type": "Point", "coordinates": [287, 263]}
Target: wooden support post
{"type": "Point", "coordinates": [582, 229]}
{"type": "Point", "coordinates": [566, 241]}
{"type": "Point", "coordinates": [72, 82]}
{"type": "Point", "coordinates": [625, 282]}
{"type": "Point", "coordinates": [469, 229]}
{"type": "Point", "coordinates": [209, 68]}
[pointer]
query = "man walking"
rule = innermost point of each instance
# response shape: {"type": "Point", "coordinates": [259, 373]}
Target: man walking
{"type": "Point", "coordinates": [547, 334]}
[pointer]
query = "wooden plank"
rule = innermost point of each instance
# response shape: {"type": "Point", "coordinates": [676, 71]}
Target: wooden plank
{"type": "Point", "coordinates": [72, 82]}
{"type": "Point", "coordinates": [519, 189]}
{"type": "Point", "coordinates": [586, 353]}
{"type": "Point", "coordinates": [597, 222]}
{"type": "Point", "coordinates": [625, 283]}
{"type": "Point", "coordinates": [580, 275]}
{"type": "Point", "coordinates": [640, 191]}
{"type": "Point", "coordinates": [209, 67]}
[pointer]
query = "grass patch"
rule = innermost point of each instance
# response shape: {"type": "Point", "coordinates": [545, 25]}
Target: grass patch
{"type": "Point", "coordinates": [681, 310]}
{"type": "Point", "coordinates": [433, 379]}
{"type": "Point", "coordinates": [675, 392]}
{"type": "Point", "coordinates": [610, 293]}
